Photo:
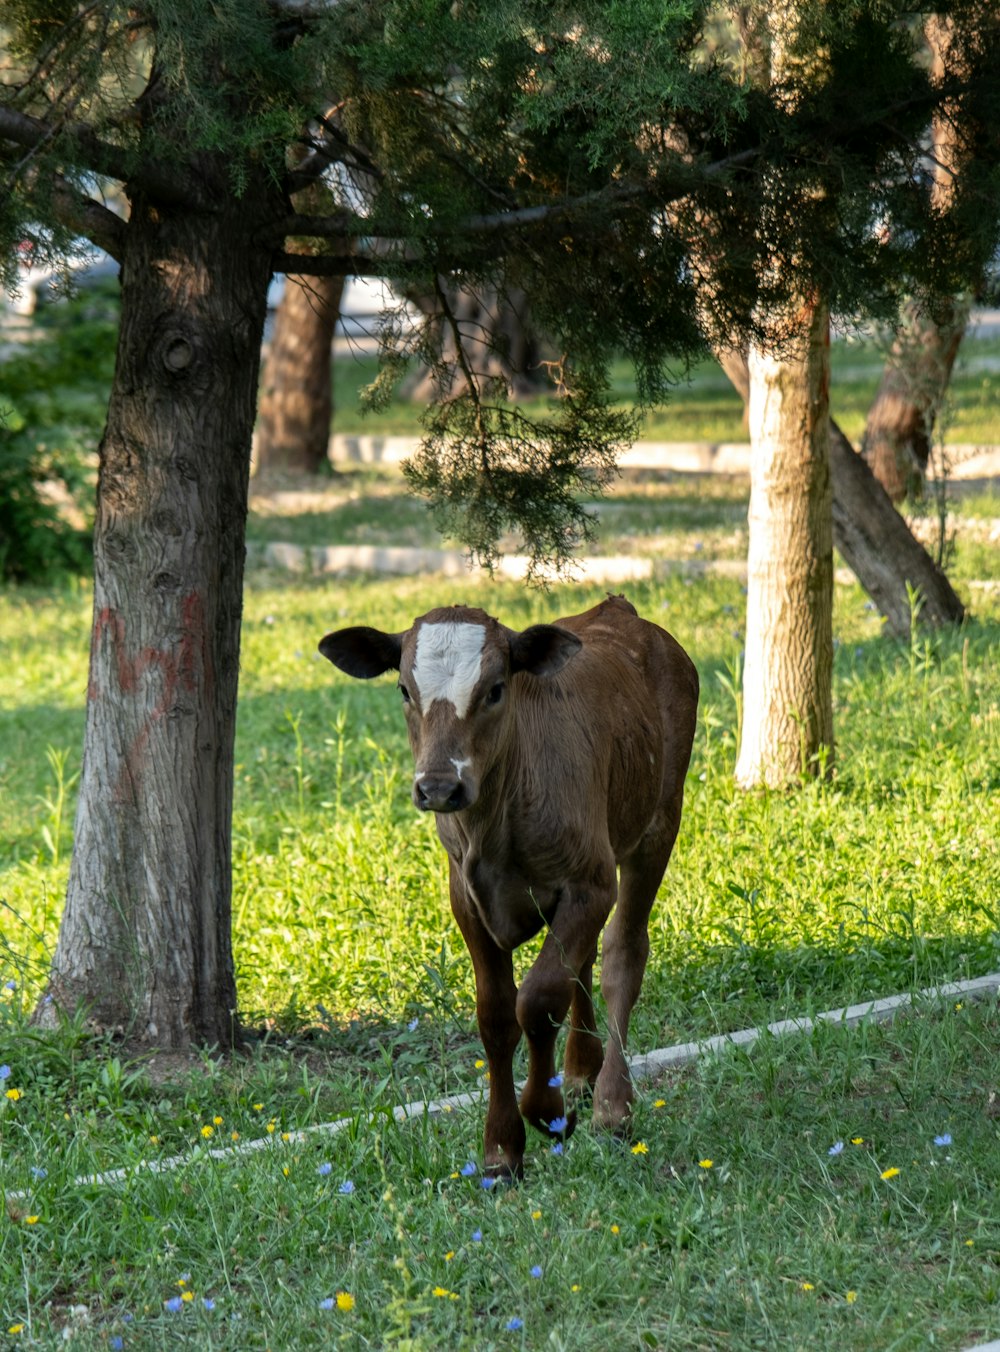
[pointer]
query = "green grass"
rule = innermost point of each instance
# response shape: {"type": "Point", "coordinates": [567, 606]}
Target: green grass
{"type": "Point", "coordinates": [704, 406]}
{"type": "Point", "coordinates": [726, 1221]}
{"type": "Point", "coordinates": [884, 878]}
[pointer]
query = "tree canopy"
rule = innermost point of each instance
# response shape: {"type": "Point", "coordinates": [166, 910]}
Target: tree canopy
{"type": "Point", "coordinates": [615, 162]}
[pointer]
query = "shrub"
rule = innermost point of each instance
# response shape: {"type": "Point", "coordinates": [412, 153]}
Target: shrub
{"type": "Point", "coordinates": [53, 396]}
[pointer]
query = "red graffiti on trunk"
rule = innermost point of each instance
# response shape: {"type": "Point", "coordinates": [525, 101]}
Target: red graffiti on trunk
{"type": "Point", "coordinates": [185, 666]}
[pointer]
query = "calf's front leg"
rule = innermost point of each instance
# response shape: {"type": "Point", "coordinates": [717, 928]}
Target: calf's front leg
{"type": "Point", "coordinates": [496, 997]}
{"type": "Point", "coordinates": [559, 978]}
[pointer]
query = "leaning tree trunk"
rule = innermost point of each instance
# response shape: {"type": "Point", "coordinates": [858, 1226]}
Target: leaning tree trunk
{"type": "Point", "coordinates": [787, 677]}
{"type": "Point", "coordinates": [145, 943]}
{"type": "Point", "coordinates": [874, 540]}
{"type": "Point", "coordinates": [296, 400]}
{"type": "Point", "coordinates": [878, 546]}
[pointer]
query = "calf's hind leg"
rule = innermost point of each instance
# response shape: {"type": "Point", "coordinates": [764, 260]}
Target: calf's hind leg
{"type": "Point", "coordinates": [624, 953]}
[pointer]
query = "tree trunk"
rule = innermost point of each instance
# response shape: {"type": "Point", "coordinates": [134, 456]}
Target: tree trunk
{"type": "Point", "coordinates": [497, 339]}
{"type": "Point", "coordinates": [787, 678]}
{"type": "Point", "coordinates": [873, 539]}
{"type": "Point", "coordinates": [296, 402]}
{"type": "Point", "coordinates": [145, 943]}
{"type": "Point", "coordinates": [900, 428]}
{"type": "Point", "coordinates": [878, 547]}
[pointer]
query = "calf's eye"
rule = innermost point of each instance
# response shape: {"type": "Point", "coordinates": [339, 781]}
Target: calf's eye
{"type": "Point", "coordinates": [404, 692]}
{"type": "Point", "coordinates": [496, 694]}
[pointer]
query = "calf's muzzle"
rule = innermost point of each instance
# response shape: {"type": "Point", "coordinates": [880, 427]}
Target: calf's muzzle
{"type": "Point", "coordinates": [440, 793]}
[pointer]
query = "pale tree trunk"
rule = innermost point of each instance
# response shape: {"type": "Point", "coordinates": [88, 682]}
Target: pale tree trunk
{"type": "Point", "coordinates": [874, 540]}
{"type": "Point", "coordinates": [787, 679]}
{"type": "Point", "coordinates": [296, 399]}
{"type": "Point", "coordinates": [145, 945]}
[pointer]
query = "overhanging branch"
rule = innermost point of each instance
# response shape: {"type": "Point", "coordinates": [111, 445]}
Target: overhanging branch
{"type": "Point", "coordinates": [89, 152]}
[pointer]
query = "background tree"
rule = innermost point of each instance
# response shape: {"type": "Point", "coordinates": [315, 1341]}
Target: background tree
{"type": "Point", "coordinates": [296, 394]}
{"type": "Point", "coordinates": [899, 431]}
{"type": "Point", "coordinates": [517, 148]}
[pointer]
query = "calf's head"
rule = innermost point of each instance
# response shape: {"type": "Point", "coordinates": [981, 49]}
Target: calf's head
{"type": "Point", "coordinates": [454, 666]}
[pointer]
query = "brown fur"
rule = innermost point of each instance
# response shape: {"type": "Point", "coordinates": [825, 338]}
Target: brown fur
{"type": "Point", "coordinates": [575, 774]}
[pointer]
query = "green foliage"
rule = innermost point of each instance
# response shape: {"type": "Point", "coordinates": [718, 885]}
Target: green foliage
{"type": "Point", "coordinates": [52, 400]}
{"type": "Point", "coordinates": [489, 468]}
{"type": "Point", "coordinates": [619, 164]}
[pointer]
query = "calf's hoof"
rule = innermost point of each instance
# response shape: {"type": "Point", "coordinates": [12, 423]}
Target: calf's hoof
{"type": "Point", "coordinates": [503, 1175]}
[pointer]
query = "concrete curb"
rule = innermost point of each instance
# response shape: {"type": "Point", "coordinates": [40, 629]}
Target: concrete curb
{"type": "Point", "coordinates": [967, 459]}
{"type": "Point", "coordinates": [644, 1066]}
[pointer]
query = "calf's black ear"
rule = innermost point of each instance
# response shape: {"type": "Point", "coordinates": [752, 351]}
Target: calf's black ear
{"type": "Point", "coordinates": [542, 649]}
{"type": "Point", "coordinates": [362, 651]}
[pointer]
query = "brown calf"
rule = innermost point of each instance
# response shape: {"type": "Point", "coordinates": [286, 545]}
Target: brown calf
{"type": "Point", "coordinates": [552, 758]}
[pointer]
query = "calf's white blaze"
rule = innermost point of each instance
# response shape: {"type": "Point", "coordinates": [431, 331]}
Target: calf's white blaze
{"type": "Point", "coordinates": [448, 663]}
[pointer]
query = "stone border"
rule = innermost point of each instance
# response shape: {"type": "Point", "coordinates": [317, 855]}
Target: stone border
{"type": "Point", "coordinates": [967, 460]}
{"type": "Point", "coordinates": [644, 1066]}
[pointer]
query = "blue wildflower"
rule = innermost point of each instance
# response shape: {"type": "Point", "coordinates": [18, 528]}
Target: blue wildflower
{"type": "Point", "coordinates": [174, 1304]}
{"type": "Point", "coordinates": [514, 1324]}
{"type": "Point", "coordinates": [325, 1168]}
{"type": "Point", "coordinates": [836, 1149]}
{"type": "Point", "coordinates": [208, 1303]}
{"type": "Point", "coordinates": [556, 1082]}
{"type": "Point", "coordinates": [557, 1149]}
{"type": "Point", "coordinates": [38, 1173]}
{"type": "Point", "coordinates": [558, 1125]}
{"type": "Point", "coordinates": [536, 1271]}
{"type": "Point", "coordinates": [943, 1139]}
{"type": "Point", "coordinates": [467, 1170]}
{"type": "Point", "coordinates": [10, 984]}
{"type": "Point", "coordinates": [477, 1236]}
{"type": "Point", "coordinates": [488, 1182]}
{"type": "Point", "coordinates": [116, 1342]}
{"type": "Point", "coordinates": [4, 1072]}
{"type": "Point", "coordinates": [326, 1304]}
{"type": "Point", "coordinates": [346, 1188]}
{"type": "Point", "coordinates": [412, 1025]}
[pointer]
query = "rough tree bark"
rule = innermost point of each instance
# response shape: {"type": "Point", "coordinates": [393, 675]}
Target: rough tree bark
{"type": "Point", "coordinates": [873, 539]}
{"type": "Point", "coordinates": [787, 678]}
{"type": "Point", "coordinates": [145, 942]}
{"type": "Point", "coordinates": [296, 397]}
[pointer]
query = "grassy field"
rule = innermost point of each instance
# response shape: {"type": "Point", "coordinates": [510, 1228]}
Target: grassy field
{"type": "Point", "coordinates": [704, 405]}
{"type": "Point", "coordinates": [840, 1189]}
{"type": "Point", "coordinates": [884, 878]}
